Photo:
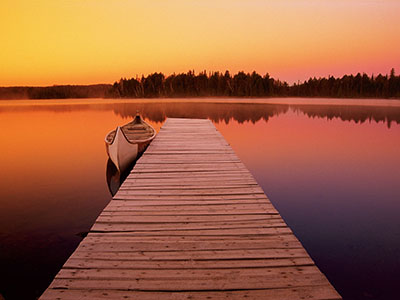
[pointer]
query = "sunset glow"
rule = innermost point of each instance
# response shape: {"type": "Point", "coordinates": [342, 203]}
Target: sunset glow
{"type": "Point", "coordinates": [48, 42]}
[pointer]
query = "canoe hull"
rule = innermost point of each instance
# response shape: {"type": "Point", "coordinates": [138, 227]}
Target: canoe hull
{"type": "Point", "coordinates": [121, 152]}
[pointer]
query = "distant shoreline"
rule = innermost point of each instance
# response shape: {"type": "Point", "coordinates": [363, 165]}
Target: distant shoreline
{"type": "Point", "coordinates": [16, 98]}
{"type": "Point", "coordinates": [240, 85]}
{"type": "Point", "coordinates": [243, 99]}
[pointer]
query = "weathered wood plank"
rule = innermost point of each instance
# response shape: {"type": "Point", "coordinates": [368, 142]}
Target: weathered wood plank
{"type": "Point", "coordinates": [132, 237]}
{"type": "Point", "coordinates": [123, 245]}
{"type": "Point", "coordinates": [208, 190]}
{"type": "Point", "coordinates": [81, 263]}
{"type": "Point", "coordinates": [211, 219]}
{"type": "Point", "coordinates": [320, 292]}
{"type": "Point", "coordinates": [201, 175]}
{"type": "Point", "coordinates": [213, 204]}
{"type": "Point", "coordinates": [255, 230]}
{"type": "Point", "coordinates": [194, 254]}
{"type": "Point", "coordinates": [185, 202]}
{"type": "Point", "coordinates": [171, 213]}
{"type": "Point", "coordinates": [160, 227]}
{"type": "Point", "coordinates": [200, 199]}
{"type": "Point", "coordinates": [222, 283]}
{"type": "Point", "coordinates": [188, 274]}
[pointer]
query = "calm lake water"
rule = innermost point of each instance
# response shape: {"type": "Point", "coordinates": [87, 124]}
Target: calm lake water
{"type": "Point", "coordinates": [331, 168]}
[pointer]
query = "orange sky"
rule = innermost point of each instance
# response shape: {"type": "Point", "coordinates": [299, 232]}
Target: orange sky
{"type": "Point", "coordinates": [45, 42]}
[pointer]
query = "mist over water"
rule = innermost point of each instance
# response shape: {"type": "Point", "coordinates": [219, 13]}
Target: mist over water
{"type": "Point", "coordinates": [332, 171]}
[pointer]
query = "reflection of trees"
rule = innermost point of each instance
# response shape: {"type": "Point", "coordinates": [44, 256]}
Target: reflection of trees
{"type": "Point", "coordinates": [225, 112]}
{"type": "Point", "coordinates": [356, 113]}
{"type": "Point", "coordinates": [217, 112]}
{"type": "Point", "coordinates": [158, 112]}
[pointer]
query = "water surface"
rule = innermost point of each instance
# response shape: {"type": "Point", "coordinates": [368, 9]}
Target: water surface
{"type": "Point", "coordinates": [332, 169]}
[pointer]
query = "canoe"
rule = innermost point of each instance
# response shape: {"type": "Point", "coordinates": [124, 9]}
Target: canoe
{"type": "Point", "coordinates": [126, 143]}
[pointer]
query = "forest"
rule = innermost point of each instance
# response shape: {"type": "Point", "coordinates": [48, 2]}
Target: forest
{"type": "Point", "coordinates": [217, 84]}
{"type": "Point", "coordinates": [243, 84]}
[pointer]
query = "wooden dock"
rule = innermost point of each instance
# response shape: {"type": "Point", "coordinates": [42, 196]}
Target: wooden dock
{"type": "Point", "coordinates": [190, 222]}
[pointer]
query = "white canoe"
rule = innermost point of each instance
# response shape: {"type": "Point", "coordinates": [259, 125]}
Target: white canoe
{"type": "Point", "coordinates": [125, 143]}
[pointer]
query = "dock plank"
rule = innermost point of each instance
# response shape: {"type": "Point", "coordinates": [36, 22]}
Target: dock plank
{"type": "Point", "coordinates": [320, 292]}
{"type": "Point", "coordinates": [190, 222]}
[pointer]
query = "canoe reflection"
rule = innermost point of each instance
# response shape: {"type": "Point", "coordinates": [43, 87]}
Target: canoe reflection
{"type": "Point", "coordinates": [114, 178]}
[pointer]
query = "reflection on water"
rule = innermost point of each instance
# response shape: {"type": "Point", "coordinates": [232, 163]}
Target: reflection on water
{"type": "Point", "coordinates": [358, 114]}
{"type": "Point", "coordinates": [331, 170]}
{"type": "Point", "coordinates": [225, 112]}
{"type": "Point", "coordinates": [113, 178]}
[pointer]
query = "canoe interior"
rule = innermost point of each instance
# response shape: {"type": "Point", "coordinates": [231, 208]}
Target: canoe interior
{"type": "Point", "coordinates": [135, 131]}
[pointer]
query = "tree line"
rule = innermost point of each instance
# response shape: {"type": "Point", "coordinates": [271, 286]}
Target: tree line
{"type": "Point", "coordinates": [254, 85]}
{"type": "Point", "coordinates": [201, 85]}
{"type": "Point", "coordinates": [217, 84]}
{"type": "Point", "coordinates": [55, 92]}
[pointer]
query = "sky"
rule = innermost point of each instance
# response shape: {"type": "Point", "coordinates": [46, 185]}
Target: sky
{"type": "Point", "coordinates": [47, 42]}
